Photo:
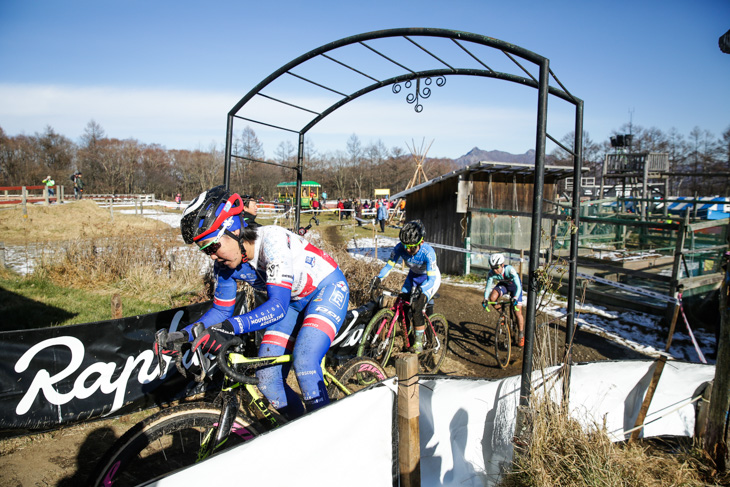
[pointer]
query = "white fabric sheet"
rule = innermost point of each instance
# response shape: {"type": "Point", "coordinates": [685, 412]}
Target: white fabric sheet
{"type": "Point", "coordinates": [349, 442]}
{"type": "Point", "coordinates": [466, 427]}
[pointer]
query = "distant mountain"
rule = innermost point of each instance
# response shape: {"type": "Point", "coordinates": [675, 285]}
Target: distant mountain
{"type": "Point", "coordinates": [477, 155]}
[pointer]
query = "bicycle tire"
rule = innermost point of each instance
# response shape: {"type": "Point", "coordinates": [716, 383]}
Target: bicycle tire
{"type": "Point", "coordinates": [434, 347]}
{"type": "Point", "coordinates": [381, 347]}
{"type": "Point", "coordinates": [502, 342]}
{"type": "Point", "coordinates": [356, 374]}
{"type": "Point", "coordinates": [165, 442]}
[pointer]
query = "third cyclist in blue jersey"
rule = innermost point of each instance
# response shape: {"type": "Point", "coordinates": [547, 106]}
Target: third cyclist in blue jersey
{"type": "Point", "coordinates": [424, 277]}
{"type": "Point", "coordinates": [504, 279]}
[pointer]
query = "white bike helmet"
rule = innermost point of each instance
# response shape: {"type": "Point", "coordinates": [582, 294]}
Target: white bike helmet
{"type": "Point", "coordinates": [496, 260]}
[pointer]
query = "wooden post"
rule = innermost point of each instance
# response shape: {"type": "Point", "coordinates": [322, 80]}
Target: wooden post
{"type": "Point", "coordinates": [116, 306]}
{"type": "Point", "coordinates": [659, 367]}
{"type": "Point", "coordinates": [45, 196]}
{"type": "Point", "coordinates": [655, 378]}
{"type": "Point", "coordinates": [676, 265]}
{"type": "Point", "coordinates": [716, 437]}
{"type": "Point", "coordinates": [409, 442]}
{"type": "Point", "coordinates": [2, 255]}
{"type": "Point", "coordinates": [673, 323]}
{"type": "Point", "coordinates": [375, 239]}
{"type": "Point", "coordinates": [24, 201]}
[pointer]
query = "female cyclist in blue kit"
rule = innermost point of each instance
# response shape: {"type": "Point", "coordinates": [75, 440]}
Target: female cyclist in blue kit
{"type": "Point", "coordinates": [307, 295]}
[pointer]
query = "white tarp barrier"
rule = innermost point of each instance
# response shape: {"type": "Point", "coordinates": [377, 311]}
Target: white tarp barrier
{"type": "Point", "coordinates": [349, 442]}
{"type": "Point", "coordinates": [616, 390]}
{"type": "Point", "coordinates": [467, 425]}
{"type": "Point", "coordinates": [466, 428]}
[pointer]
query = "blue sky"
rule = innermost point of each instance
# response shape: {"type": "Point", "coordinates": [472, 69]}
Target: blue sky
{"type": "Point", "coordinates": [167, 72]}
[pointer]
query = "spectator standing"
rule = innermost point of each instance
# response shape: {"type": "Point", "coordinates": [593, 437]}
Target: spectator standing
{"type": "Point", "coordinates": [358, 212]}
{"type": "Point", "coordinates": [50, 183]}
{"type": "Point", "coordinates": [348, 207]}
{"type": "Point", "coordinates": [250, 210]}
{"type": "Point", "coordinates": [315, 206]}
{"type": "Point", "coordinates": [382, 215]}
{"type": "Point", "coordinates": [78, 186]}
{"type": "Point", "coordinates": [340, 207]}
{"type": "Point", "coordinates": [178, 198]}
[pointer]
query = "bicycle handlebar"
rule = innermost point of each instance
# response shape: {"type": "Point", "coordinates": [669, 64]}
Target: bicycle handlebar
{"type": "Point", "coordinates": [227, 369]}
{"type": "Point", "coordinates": [501, 302]}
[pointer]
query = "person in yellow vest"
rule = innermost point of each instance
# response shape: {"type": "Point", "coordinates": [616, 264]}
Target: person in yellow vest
{"type": "Point", "coordinates": [50, 184]}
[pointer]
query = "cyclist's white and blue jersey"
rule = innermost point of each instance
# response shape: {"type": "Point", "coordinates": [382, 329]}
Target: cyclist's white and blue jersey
{"type": "Point", "coordinates": [507, 282]}
{"type": "Point", "coordinates": [307, 299]}
{"type": "Point", "coordinates": [423, 269]}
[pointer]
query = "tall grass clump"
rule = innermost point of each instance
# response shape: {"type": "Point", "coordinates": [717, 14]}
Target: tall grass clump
{"type": "Point", "coordinates": [154, 266]}
{"type": "Point", "coordinates": [563, 452]}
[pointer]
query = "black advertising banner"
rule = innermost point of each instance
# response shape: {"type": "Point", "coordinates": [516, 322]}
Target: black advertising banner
{"type": "Point", "coordinates": [50, 377]}
{"type": "Point", "coordinates": [54, 376]}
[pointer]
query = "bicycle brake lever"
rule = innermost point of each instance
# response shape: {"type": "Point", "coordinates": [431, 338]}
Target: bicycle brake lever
{"type": "Point", "coordinates": [202, 359]}
{"type": "Point", "coordinates": [160, 341]}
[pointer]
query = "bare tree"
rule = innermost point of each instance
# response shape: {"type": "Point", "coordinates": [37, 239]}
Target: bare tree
{"type": "Point", "coordinates": [198, 170]}
{"type": "Point", "coordinates": [359, 168]}
{"type": "Point", "coordinates": [248, 149]}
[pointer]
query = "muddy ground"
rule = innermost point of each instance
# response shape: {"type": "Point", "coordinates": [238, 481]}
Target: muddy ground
{"type": "Point", "coordinates": [65, 457]}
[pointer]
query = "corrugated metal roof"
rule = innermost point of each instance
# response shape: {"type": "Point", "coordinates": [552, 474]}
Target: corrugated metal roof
{"type": "Point", "coordinates": [493, 167]}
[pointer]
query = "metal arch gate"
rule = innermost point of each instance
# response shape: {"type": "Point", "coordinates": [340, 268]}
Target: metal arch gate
{"type": "Point", "coordinates": [467, 43]}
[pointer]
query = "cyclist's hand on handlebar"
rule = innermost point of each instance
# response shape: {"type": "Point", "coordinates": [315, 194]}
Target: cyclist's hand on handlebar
{"type": "Point", "coordinates": [416, 293]}
{"type": "Point", "coordinates": [169, 344]}
{"type": "Point", "coordinates": [211, 340]}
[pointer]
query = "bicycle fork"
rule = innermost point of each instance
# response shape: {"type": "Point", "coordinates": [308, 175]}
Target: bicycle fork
{"type": "Point", "coordinates": [383, 345]}
{"type": "Point", "coordinates": [433, 330]}
{"type": "Point", "coordinates": [229, 410]}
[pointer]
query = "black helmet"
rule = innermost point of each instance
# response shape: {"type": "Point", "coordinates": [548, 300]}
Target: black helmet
{"type": "Point", "coordinates": [206, 213]}
{"type": "Point", "coordinates": [412, 233]}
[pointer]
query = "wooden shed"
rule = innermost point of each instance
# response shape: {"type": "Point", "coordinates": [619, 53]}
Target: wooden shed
{"type": "Point", "coordinates": [484, 207]}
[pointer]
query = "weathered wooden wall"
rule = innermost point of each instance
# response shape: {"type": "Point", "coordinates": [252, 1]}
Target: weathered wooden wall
{"type": "Point", "coordinates": [435, 205]}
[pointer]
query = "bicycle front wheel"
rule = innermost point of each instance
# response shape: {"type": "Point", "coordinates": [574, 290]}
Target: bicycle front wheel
{"type": "Point", "coordinates": [378, 345]}
{"type": "Point", "coordinates": [165, 442]}
{"type": "Point", "coordinates": [502, 342]}
{"type": "Point", "coordinates": [435, 342]}
{"type": "Point", "coordinates": [356, 374]}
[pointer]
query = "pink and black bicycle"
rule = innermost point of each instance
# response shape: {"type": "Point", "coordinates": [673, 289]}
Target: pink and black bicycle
{"type": "Point", "coordinates": [391, 329]}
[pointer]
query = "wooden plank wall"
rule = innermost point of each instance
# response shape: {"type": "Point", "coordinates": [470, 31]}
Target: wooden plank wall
{"type": "Point", "coordinates": [435, 205]}
{"type": "Point", "coordinates": [503, 195]}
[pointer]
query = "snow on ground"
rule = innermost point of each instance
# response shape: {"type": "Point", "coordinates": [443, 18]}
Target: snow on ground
{"type": "Point", "coordinates": [172, 219]}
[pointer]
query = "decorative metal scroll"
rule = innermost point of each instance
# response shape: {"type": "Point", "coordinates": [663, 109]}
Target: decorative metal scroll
{"type": "Point", "coordinates": [419, 94]}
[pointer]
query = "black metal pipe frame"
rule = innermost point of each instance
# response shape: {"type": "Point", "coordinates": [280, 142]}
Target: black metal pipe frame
{"type": "Point", "coordinates": [573, 264]}
{"type": "Point", "coordinates": [537, 195]}
{"type": "Point", "coordinates": [544, 89]}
